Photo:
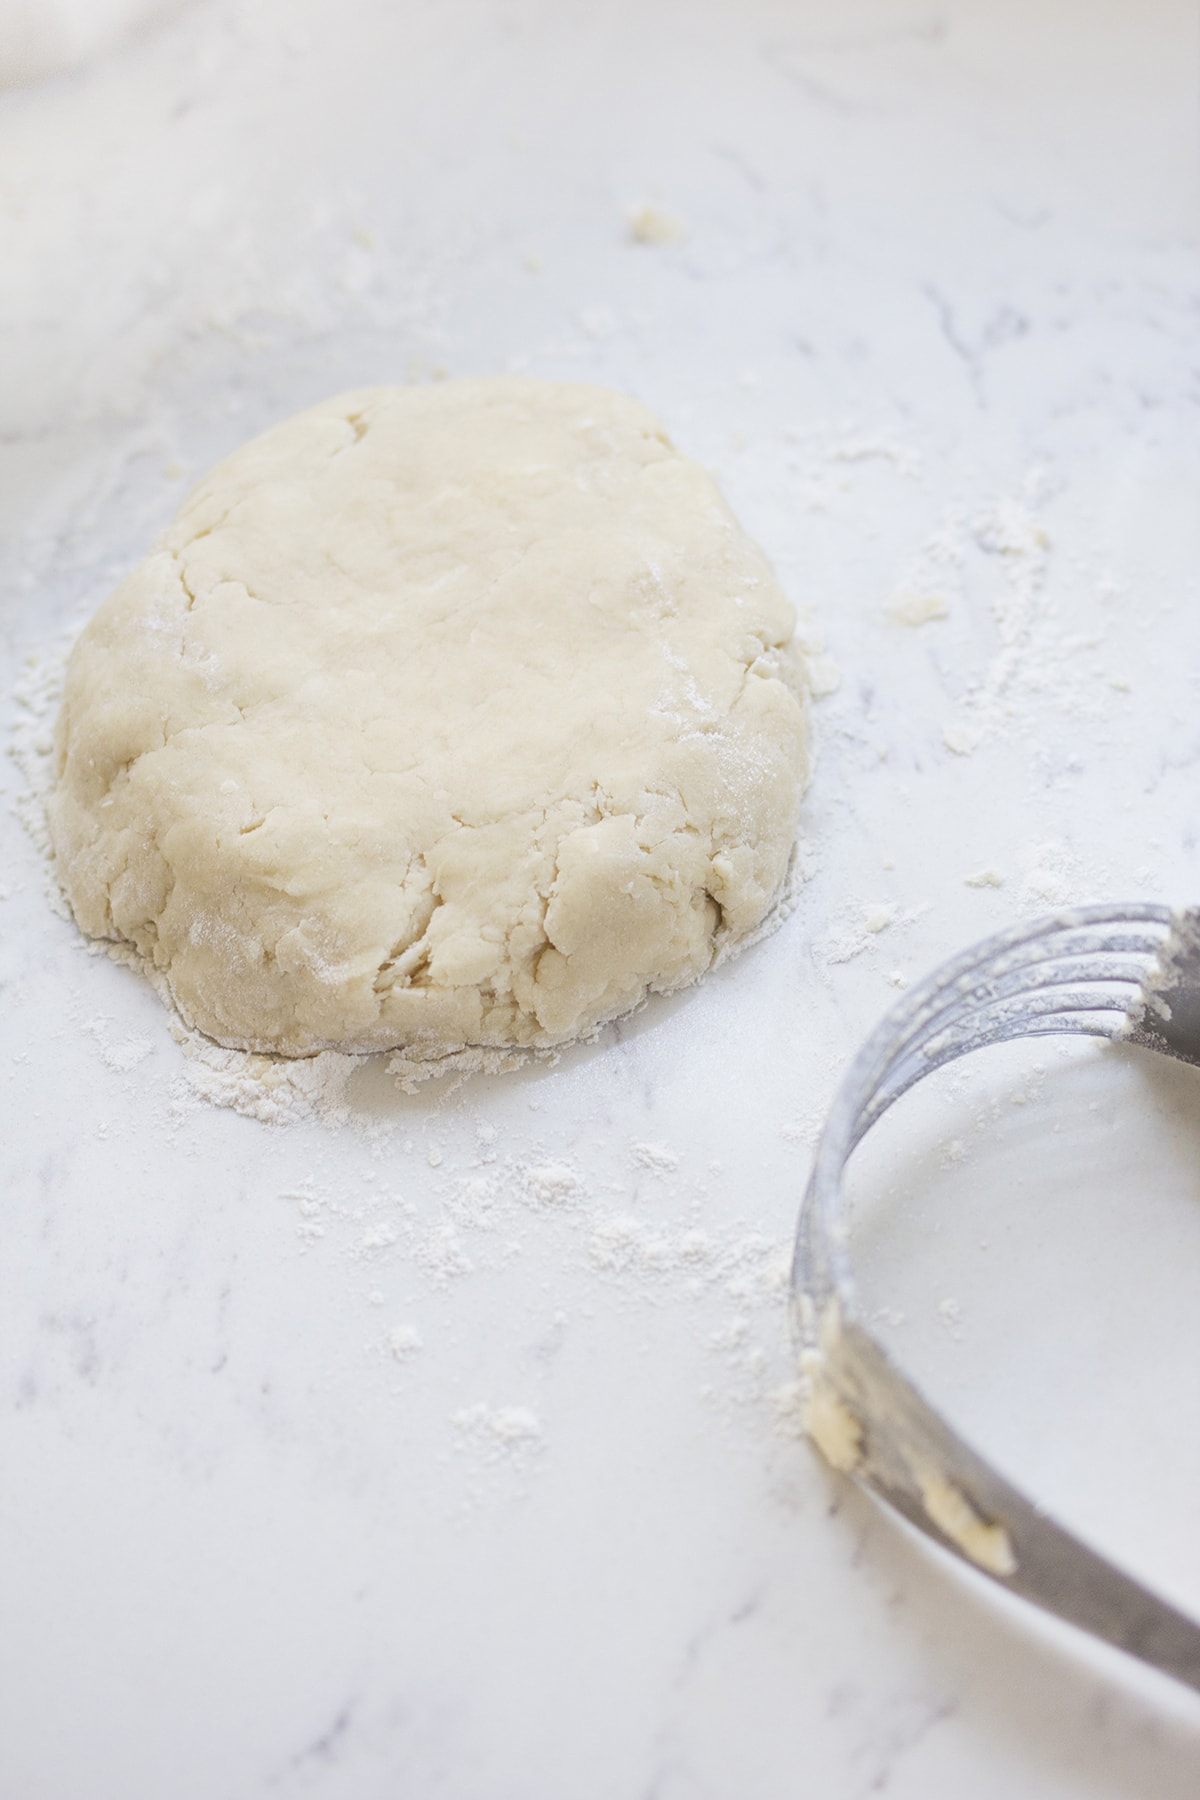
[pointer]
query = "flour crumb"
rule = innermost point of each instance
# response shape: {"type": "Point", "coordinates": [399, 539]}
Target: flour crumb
{"type": "Point", "coordinates": [549, 1183]}
{"type": "Point", "coordinates": [696, 1247]}
{"type": "Point", "coordinates": [619, 1244]}
{"type": "Point", "coordinates": [984, 878]}
{"type": "Point", "coordinates": [656, 1157]}
{"type": "Point", "coordinates": [888, 1315]}
{"type": "Point", "coordinates": [856, 931]}
{"type": "Point", "coordinates": [949, 1314]}
{"type": "Point", "coordinates": [789, 1403]}
{"type": "Point", "coordinates": [730, 1336]}
{"type": "Point", "coordinates": [126, 1056]}
{"type": "Point", "coordinates": [376, 1238]}
{"type": "Point", "coordinates": [440, 1253]}
{"type": "Point", "coordinates": [404, 1341]}
{"type": "Point", "coordinates": [1049, 877]}
{"type": "Point", "coordinates": [507, 1429]}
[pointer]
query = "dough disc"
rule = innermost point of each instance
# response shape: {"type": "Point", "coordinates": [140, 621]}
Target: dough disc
{"type": "Point", "coordinates": [440, 717]}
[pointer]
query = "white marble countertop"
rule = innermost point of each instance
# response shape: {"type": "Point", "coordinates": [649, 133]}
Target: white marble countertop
{"type": "Point", "coordinates": [446, 1444]}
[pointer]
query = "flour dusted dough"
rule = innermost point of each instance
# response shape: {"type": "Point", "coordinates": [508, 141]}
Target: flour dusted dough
{"type": "Point", "coordinates": [440, 717]}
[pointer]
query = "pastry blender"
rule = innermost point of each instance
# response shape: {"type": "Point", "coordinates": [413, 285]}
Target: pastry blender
{"type": "Point", "coordinates": [1127, 973]}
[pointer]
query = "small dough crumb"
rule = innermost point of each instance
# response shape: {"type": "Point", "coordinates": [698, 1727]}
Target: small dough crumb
{"type": "Point", "coordinates": [987, 1545]}
{"type": "Point", "coordinates": [649, 225]}
{"type": "Point", "coordinates": [959, 738]}
{"type": "Point", "coordinates": [835, 1430]}
{"type": "Point", "coordinates": [918, 609]}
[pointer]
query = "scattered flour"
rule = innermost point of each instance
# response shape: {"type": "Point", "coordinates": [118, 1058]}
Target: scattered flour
{"type": "Point", "coordinates": [121, 1057]}
{"type": "Point", "coordinates": [656, 1157]}
{"type": "Point", "coordinates": [727, 1282]}
{"type": "Point", "coordinates": [744, 1267]}
{"type": "Point", "coordinates": [1051, 876]}
{"type": "Point", "coordinates": [550, 1183]}
{"type": "Point", "coordinates": [270, 1089]}
{"type": "Point", "coordinates": [789, 1403]}
{"type": "Point", "coordinates": [127, 1055]}
{"type": "Point", "coordinates": [857, 928]}
{"type": "Point", "coordinates": [949, 1314]}
{"type": "Point", "coordinates": [377, 1238]}
{"type": "Point", "coordinates": [1028, 656]}
{"type": "Point", "coordinates": [441, 1254]}
{"type": "Point", "coordinates": [505, 1430]}
{"type": "Point", "coordinates": [31, 746]}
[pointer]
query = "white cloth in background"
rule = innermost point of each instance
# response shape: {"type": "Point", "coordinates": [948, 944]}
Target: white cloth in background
{"type": "Point", "coordinates": [39, 38]}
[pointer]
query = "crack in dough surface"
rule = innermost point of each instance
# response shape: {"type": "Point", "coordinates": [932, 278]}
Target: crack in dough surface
{"type": "Point", "coordinates": [439, 717]}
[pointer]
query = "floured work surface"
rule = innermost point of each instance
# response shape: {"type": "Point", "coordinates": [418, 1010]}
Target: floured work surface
{"type": "Point", "coordinates": [934, 339]}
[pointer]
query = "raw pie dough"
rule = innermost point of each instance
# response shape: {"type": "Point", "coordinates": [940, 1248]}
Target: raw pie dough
{"type": "Point", "coordinates": [440, 717]}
